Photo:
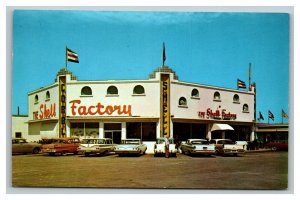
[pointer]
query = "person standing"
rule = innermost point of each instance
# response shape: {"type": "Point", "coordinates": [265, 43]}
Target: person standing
{"type": "Point", "coordinates": [167, 147]}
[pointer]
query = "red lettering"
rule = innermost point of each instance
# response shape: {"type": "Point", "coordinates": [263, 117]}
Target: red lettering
{"type": "Point", "coordinates": [217, 115]}
{"type": "Point", "coordinates": [82, 110]}
{"type": "Point", "coordinates": [73, 107]}
{"type": "Point", "coordinates": [41, 110]}
{"type": "Point", "coordinates": [99, 109]}
{"type": "Point", "coordinates": [90, 112]}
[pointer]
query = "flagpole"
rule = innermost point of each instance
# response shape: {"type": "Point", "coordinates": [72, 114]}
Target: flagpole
{"type": "Point", "coordinates": [249, 76]}
{"type": "Point", "coordinates": [164, 54]}
{"type": "Point", "coordinates": [66, 59]}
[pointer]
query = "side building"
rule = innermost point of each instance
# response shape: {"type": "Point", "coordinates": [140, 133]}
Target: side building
{"type": "Point", "coordinates": [161, 106]}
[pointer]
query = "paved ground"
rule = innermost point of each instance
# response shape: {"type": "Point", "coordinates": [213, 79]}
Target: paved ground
{"type": "Point", "coordinates": [267, 170]}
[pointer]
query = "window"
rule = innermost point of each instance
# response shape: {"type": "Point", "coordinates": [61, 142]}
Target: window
{"type": "Point", "coordinates": [86, 91]}
{"type": "Point", "coordinates": [182, 101]}
{"type": "Point", "coordinates": [217, 96]}
{"type": "Point", "coordinates": [195, 93]}
{"type": "Point", "coordinates": [36, 99]}
{"type": "Point", "coordinates": [245, 108]}
{"type": "Point", "coordinates": [85, 130]}
{"type": "Point", "coordinates": [236, 99]}
{"type": "Point", "coordinates": [112, 90]}
{"type": "Point", "coordinates": [138, 90]}
{"type": "Point", "coordinates": [47, 95]}
{"type": "Point", "coordinates": [18, 134]}
{"type": "Point", "coordinates": [146, 131]}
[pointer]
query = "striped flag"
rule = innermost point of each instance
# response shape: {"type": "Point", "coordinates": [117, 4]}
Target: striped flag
{"type": "Point", "coordinates": [241, 84]}
{"type": "Point", "coordinates": [271, 116]}
{"type": "Point", "coordinates": [284, 114]}
{"type": "Point", "coordinates": [72, 56]}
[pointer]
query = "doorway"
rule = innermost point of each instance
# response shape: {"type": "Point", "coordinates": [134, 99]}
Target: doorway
{"type": "Point", "coordinates": [114, 135]}
{"type": "Point", "coordinates": [113, 131]}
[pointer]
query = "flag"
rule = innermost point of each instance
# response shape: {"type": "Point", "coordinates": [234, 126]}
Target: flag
{"type": "Point", "coordinates": [284, 114]}
{"type": "Point", "coordinates": [261, 116]}
{"type": "Point", "coordinates": [241, 84]}
{"type": "Point", "coordinates": [271, 116]}
{"type": "Point", "coordinates": [72, 56]}
{"type": "Point", "coordinates": [164, 54]}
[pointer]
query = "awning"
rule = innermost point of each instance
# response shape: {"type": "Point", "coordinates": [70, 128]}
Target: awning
{"type": "Point", "coordinates": [222, 127]}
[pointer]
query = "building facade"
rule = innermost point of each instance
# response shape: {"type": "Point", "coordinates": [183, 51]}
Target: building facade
{"type": "Point", "coordinates": [161, 106]}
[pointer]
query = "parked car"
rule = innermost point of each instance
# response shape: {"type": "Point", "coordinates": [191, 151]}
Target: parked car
{"type": "Point", "coordinates": [281, 145]}
{"type": "Point", "coordinates": [244, 143]}
{"type": "Point", "coordinates": [198, 146]}
{"type": "Point", "coordinates": [62, 146]}
{"type": "Point", "coordinates": [131, 146]}
{"type": "Point", "coordinates": [96, 146]}
{"type": "Point", "coordinates": [227, 146]}
{"type": "Point", "coordinates": [160, 146]}
{"type": "Point", "coordinates": [21, 146]}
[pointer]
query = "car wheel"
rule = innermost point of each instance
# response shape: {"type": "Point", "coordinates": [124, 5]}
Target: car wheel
{"type": "Point", "coordinates": [36, 150]}
{"type": "Point", "coordinates": [52, 154]}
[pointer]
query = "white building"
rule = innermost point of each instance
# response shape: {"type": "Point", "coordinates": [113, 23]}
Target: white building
{"type": "Point", "coordinates": [19, 126]}
{"type": "Point", "coordinates": [146, 109]}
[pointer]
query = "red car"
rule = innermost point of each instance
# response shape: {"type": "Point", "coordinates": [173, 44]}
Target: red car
{"type": "Point", "coordinates": [279, 145]}
{"type": "Point", "coordinates": [62, 146]}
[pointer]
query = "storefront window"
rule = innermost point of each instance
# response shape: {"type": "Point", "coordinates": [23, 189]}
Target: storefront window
{"type": "Point", "coordinates": [85, 130]}
{"type": "Point", "coordinates": [145, 131]}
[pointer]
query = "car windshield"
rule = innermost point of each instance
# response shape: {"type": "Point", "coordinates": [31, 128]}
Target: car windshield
{"type": "Point", "coordinates": [130, 142]}
{"type": "Point", "coordinates": [225, 142]}
{"type": "Point", "coordinates": [200, 142]}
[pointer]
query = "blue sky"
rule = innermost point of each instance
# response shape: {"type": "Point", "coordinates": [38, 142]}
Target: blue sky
{"type": "Point", "coordinates": [206, 48]}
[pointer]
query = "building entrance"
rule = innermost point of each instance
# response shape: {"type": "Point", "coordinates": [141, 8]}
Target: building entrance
{"type": "Point", "coordinates": [113, 131]}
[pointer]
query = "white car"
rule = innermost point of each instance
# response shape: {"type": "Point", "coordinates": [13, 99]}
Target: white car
{"type": "Point", "coordinates": [227, 146]}
{"type": "Point", "coordinates": [198, 146]}
{"type": "Point", "coordinates": [96, 146]}
{"type": "Point", "coordinates": [131, 146]}
{"type": "Point", "coordinates": [160, 146]}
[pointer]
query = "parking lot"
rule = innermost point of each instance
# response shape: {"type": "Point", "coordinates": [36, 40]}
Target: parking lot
{"type": "Point", "coordinates": [267, 170]}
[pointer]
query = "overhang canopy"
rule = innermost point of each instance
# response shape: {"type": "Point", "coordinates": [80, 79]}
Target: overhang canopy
{"type": "Point", "coordinates": [222, 127]}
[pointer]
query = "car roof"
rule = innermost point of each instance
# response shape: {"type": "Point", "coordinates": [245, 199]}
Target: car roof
{"type": "Point", "coordinates": [197, 139]}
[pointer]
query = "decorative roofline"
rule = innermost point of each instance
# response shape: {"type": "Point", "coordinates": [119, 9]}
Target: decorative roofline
{"type": "Point", "coordinates": [64, 71]}
{"type": "Point", "coordinates": [163, 69]}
